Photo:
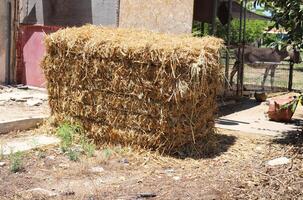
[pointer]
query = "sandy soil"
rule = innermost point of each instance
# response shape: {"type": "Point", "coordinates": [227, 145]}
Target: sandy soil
{"type": "Point", "coordinates": [237, 169]}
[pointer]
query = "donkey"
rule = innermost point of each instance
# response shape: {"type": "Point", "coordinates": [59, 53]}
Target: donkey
{"type": "Point", "coordinates": [267, 58]}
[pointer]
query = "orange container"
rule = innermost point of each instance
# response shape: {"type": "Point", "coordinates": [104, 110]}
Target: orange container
{"type": "Point", "coordinates": [276, 112]}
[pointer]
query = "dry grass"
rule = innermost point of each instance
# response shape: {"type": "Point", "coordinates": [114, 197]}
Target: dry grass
{"type": "Point", "coordinates": [134, 87]}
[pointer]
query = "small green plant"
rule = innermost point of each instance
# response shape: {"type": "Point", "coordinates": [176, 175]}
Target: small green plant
{"type": "Point", "coordinates": [16, 162]}
{"type": "Point", "coordinates": [41, 154]}
{"type": "Point", "coordinates": [67, 132]}
{"type": "Point", "coordinates": [107, 153]}
{"type": "Point", "coordinates": [73, 155]}
{"type": "Point", "coordinates": [88, 146]}
{"type": "Point", "coordinates": [73, 134]}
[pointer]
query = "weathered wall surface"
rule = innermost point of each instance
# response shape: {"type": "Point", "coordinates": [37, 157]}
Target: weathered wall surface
{"type": "Point", "coordinates": [170, 16]}
{"type": "Point", "coordinates": [3, 39]}
{"type": "Point", "coordinates": [69, 12]}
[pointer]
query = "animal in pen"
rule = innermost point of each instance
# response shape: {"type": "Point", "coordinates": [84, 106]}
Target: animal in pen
{"type": "Point", "coordinates": [268, 58]}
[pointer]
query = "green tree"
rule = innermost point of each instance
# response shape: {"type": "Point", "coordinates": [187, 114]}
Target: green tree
{"type": "Point", "coordinates": [254, 30]}
{"type": "Point", "coordinates": [289, 15]}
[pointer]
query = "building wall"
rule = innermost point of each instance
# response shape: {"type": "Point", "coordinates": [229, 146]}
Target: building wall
{"type": "Point", "coordinates": [170, 16]}
{"type": "Point", "coordinates": [3, 40]}
{"type": "Point", "coordinates": [69, 12]}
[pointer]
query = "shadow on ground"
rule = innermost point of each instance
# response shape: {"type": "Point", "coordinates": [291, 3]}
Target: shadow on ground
{"type": "Point", "coordinates": [213, 146]}
{"type": "Point", "coordinates": [291, 138]}
{"type": "Point", "coordinates": [242, 104]}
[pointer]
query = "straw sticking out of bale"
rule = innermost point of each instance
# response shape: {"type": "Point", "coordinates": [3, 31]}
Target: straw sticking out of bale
{"type": "Point", "coordinates": [134, 87]}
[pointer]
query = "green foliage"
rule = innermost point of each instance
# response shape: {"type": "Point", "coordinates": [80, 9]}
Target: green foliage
{"type": "Point", "coordinates": [254, 31]}
{"type": "Point", "coordinates": [73, 155]}
{"type": "Point", "coordinates": [293, 104]}
{"type": "Point", "coordinates": [107, 153]}
{"type": "Point", "coordinates": [16, 160]}
{"type": "Point", "coordinates": [289, 15]}
{"type": "Point", "coordinates": [66, 132]}
{"type": "Point", "coordinates": [88, 146]}
{"type": "Point", "coordinates": [71, 134]}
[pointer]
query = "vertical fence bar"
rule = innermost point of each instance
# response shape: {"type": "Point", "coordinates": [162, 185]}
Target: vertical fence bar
{"type": "Point", "coordinates": [239, 50]}
{"type": "Point", "coordinates": [228, 44]}
{"type": "Point", "coordinates": [243, 47]}
{"type": "Point", "coordinates": [290, 78]}
{"type": "Point", "coordinates": [213, 22]}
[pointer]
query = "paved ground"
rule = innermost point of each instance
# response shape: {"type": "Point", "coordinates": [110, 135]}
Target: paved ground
{"type": "Point", "coordinates": [21, 107]}
{"type": "Point", "coordinates": [250, 117]}
{"type": "Point", "coordinates": [26, 143]}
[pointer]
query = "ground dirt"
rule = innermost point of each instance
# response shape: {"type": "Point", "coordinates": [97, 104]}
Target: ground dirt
{"type": "Point", "coordinates": [237, 170]}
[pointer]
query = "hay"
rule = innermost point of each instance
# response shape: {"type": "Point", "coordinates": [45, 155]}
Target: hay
{"type": "Point", "coordinates": [134, 87]}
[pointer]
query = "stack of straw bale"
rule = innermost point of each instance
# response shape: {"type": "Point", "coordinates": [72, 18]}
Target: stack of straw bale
{"type": "Point", "coordinates": [134, 87]}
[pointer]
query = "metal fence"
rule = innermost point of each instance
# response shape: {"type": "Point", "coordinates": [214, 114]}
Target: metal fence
{"type": "Point", "coordinates": [253, 77]}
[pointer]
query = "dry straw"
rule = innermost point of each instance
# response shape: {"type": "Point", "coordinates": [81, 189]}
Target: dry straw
{"type": "Point", "coordinates": [134, 87]}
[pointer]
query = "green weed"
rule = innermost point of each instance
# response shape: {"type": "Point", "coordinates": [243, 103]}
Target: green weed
{"type": "Point", "coordinates": [16, 162]}
{"type": "Point", "coordinates": [88, 146]}
{"type": "Point", "coordinates": [66, 132]}
{"type": "Point", "coordinates": [73, 155]}
{"type": "Point", "coordinates": [107, 153]}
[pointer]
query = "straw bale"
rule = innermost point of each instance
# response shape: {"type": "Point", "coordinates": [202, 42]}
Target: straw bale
{"type": "Point", "coordinates": [134, 87]}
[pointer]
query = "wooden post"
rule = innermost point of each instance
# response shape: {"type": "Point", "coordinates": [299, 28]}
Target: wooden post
{"type": "Point", "coordinates": [290, 78]}
{"type": "Point", "coordinates": [214, 17]}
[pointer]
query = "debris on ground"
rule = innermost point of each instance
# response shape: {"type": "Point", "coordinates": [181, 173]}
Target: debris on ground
{"type": "Point", "coordinates": [43, 192]}
{"type": "Point", "coordinates": [279, 161]}
{"type": "Point", "coordinates": [146, 195]}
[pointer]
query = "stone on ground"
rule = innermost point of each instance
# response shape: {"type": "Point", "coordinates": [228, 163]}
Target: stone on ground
{"type": "Point", "coordinates": [278, 161]}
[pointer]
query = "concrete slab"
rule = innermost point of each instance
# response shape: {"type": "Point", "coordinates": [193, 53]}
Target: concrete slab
{"type": "Point", "coordinates": [21, 124]}
{"type": "Point", "coordinates": [250, 117]}
{"type": "Point", "coordinates": [27, 143]}
{"type": "Point", "coordinates": [22, 109]}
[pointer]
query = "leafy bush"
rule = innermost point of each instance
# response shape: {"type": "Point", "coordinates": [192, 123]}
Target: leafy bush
{"type": "Point", "coordinates": [254, 31]}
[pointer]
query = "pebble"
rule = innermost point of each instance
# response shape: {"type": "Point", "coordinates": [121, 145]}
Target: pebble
{"type": "Point", "coordinates": [97, 169]}
{"type": "Point", "coordinates": [2, 164]}
{"type": "Point", "coordinates": [146, 195]}
{"type": "Point", "coordinates": [258, 148]}
{"type": "Point", "coordinates": [41, 191]}
{"type": "Point", "coordinates": [51, 157]}
{"type": "Point", "coordinates": [124, 160]}
{"type": "Point", "coordinates": [278, 161]}
{"type": "Point", "coordinates": [169, 171]}
{"type": "Point", "coordinates": [34, 102]}
{"type": "Point", "coordinates": [63, 165]}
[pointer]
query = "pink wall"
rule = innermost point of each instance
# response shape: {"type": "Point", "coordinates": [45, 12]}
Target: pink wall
{"type": "Point", "coordinates": [30, 54]}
